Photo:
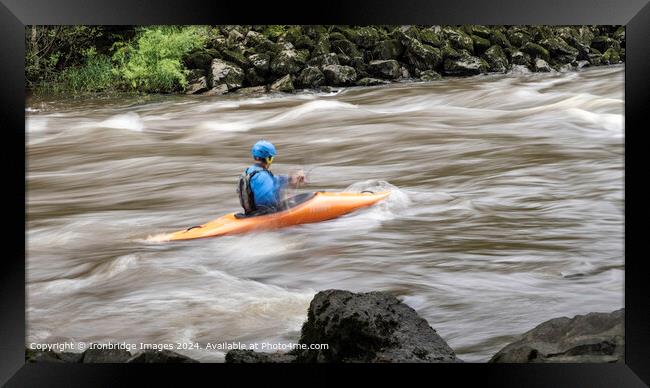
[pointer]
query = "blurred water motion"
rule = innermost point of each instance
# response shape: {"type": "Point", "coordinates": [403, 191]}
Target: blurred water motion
{"type": "Point", "coordinates": [508, 209]}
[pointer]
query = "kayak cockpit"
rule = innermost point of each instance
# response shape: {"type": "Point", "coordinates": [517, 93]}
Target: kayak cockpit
{"type": "Point", "coordinates": [284, 205]}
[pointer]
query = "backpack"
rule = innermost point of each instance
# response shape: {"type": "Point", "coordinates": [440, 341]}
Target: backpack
{"type": "Point", "coordinates": [244, 191]}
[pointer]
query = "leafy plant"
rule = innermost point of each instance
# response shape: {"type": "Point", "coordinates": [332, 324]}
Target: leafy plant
{"type": "Point", "coordinates": [153, 62]}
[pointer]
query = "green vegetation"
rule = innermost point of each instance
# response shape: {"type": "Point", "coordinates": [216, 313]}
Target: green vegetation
{"type": "Point", "coordinates": [153, 62]}
{"type": "Point", "coordinates": [95, 75]}
{"type": "Point", "coordinates": [82, 59]}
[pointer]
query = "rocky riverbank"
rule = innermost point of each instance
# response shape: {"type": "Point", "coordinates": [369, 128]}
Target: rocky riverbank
{"type": "Point", "coordinates": [377, 327]}
{"type": "Point", "coordinates": [258, 59]}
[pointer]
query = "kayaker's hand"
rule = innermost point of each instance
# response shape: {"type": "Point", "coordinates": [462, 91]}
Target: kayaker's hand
{"type": "Point", "coordinates": [297, 177]}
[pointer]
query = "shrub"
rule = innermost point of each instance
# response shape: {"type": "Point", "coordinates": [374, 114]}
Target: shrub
{"type": "Point", "coordinates": [153, 62]}
{"type": "Point", "coordinates": [95, 74]}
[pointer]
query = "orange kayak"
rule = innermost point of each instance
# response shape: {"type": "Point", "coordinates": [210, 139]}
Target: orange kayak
{"type": "Point", "coordinates": [301, 209]}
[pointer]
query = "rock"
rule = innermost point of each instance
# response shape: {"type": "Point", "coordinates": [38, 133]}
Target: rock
{"type": "Point", "coordinates": [496, 59]}
{"type": "Point", "coordinates": [260, 62]}
{"type": "Point", "coordinates": [410, 31]}
{"type": "Point", "coordinates": [288, 61]}
{"type": "Point", "coordinates": [541, 66]}
{"type": "Point", "coordinates": [339, 75]}
{"type": "Point", "coordinates": [324, 60]}
{"type": "Point", "coordinates": [431, 36]}
{"type": "Point", "coordinates": [480, 44]}
{"type": "Point", "coordinates": [321, 47]}
{"type": "Point", "coordinates": [314, 31]}
{"type": "Point", "coordinates": [602, 43]}
{"type": "Point", "coordinates": [343, 59]}
{"type": "Point", "coordinates": [389, 69]}
{"type": "Point", "coordinates": [333, 36]}
{"type": "Point", "coordinates": [388, 49]}
{"type": "Point", "coordinates": [573, 38]}
{"type": "Point", "coordinates": [595, 59]}
{"type": "Point", "coordinates": [478, 30]}
{"type": "Point", "coordinates": [198, 86]}
{"type": "Point", "coordinates": [359, 65]}
{"type": "Point", "coordinates": [429, 75]}
{"type": "Point", "coordinates": [249, 356]}
{"type": "Point", "coordinates": [268, 47]}
{"type": "Point", "coordinates": [254, 78]}
{"type": "Point", "coordinates": [611, 56]}
{"type": "Point", "coordinates": [345, 47]}
{"type": "Point", "coordinates": [236, 57]}
{"type": "Point", "coordinates": [200, 59]}
{"type": "Point", "coordinates": [458, 39]}
{"type": "Point", "coordinates": [283, 84]}
{"type": "Point", "coordinates": [594, 337]}
{"type": "Point", "coordinates": [292, 34]}
{"type": "Point", "coordinates": [519, 58]}
{"type": "Point", "coordinates": [518, 36]}
{"type": "Point", "coordinates": [371, 82]}
{"type": "Point", "coordinates": [449, 52]}
{"type": "Point", "coordinates": [369, 327]}
{"type": "Point", "coordinates": [105, 356]}
{"type": "Point", "coordinates": [422, 56]}
{"type": "Point", "coordinates": [559, 50]}
{"type": "Point", "coordinates": [160, 357]}
{"type": "Point", "coordinates": [365, 37]}
{"type": "Point", "coordinates": [217, 90]}
{"type": "Point", "coordinates": [405, 73]}
{"type": "Point", "coordinates": [540, 32]}
{"type": "Point", "coordinates": [581, 64]}
{"type": "Point", "coordinates": [253, 38]}
{"type": "Point", "coordinates": [304, 42]}
{"type": "Point", "coordinates": [250, 91]}
{"type": "Point", "coordinates": [499, 38]}
{"type": "Point", "coordinates": [225, 73]}
{"type": "Point", "coordinates": [535, 51]}
{"type": "Point", "coordinates": [51, 356]}
{"type": "Point", "coordinates": [311, 77]}
{"type": "Point", "coordinates": [234, 36]}
{"type": "Point", "coordinates": [466, 64]}
{"type": "Point", "coordinates": [193, 75]}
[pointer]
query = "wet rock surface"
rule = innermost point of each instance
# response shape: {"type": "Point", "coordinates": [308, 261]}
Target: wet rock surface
{"type": "Point", "coordinates": [594, 337]}
{"type": "Point", "coordinates": [249, 56]}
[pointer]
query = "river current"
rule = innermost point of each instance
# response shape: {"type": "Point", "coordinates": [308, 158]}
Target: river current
{"type": "Point", "coordinates": [507, 209]}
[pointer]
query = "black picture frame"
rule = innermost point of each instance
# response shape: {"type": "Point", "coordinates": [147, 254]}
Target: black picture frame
{"type": "Point", "coordinates": [15, 14]}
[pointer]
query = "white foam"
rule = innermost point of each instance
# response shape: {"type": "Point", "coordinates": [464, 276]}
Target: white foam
{"type": "Point", "coordinates": [130, 121]}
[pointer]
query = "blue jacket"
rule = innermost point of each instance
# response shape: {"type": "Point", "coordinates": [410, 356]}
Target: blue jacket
{"type": "Point", "coordinates": [267, 188]}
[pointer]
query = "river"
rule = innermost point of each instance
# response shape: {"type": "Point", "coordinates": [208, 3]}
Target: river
{"type": "Point", "coordinates": [507, 209]}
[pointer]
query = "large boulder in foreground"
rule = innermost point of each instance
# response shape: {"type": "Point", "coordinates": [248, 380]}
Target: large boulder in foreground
{"type": "Point", "coordinates": [364, 327]}
{"type": "Point", "coordinates": [369, 327]}
{"type": "Point", "coordinates": [595, 337]}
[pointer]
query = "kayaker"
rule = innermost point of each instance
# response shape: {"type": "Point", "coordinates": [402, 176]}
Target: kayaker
{"type": "Point", "coordinates": [260, 191]}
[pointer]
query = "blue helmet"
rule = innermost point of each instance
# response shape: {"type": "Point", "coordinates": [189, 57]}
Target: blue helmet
{"type": "Point", "coordinates": [263, 149]}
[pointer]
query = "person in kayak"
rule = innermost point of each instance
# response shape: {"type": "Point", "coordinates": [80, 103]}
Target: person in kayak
{"type": "Point", "coordinates": [260, 191]}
